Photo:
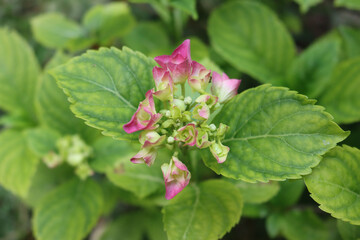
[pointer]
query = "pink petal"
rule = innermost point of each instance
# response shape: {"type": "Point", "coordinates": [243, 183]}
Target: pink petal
{"type": "Point", "coordinates": [162, 60]}
{"type": "Point", "coordinates": [183, 50]}
{"type": "Point", "coordinates": [145, 155]}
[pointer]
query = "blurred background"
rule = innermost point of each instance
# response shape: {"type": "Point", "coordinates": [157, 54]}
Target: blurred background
{"type": "Point", "coordinates": [148, 30]}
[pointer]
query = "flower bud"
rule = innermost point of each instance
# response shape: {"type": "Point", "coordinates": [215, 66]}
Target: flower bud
{"type": "Point", "coordinates": [187, 134]}
{"type": "Point", "coordinates": [199, 78]}
{"type": "Point", "coordinates": [223, 87]}
{"type": "Point", "coordinates": [170, 140]}
{"type": "Point", "coordinates": [176, 177]}
{"type": "Point", "coordinates": [219, 151]}
{"type": "Point", "coordinates": [188, 100]}
{"type": "Point", "coordinates": [212, 127]}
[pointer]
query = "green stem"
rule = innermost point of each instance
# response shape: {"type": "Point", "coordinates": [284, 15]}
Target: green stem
{"type": "Point", "coordinates": [183, 89]}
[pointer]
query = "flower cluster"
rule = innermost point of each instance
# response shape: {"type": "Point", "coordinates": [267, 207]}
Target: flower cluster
{"type": "Point", "coordinates": [184, 121]}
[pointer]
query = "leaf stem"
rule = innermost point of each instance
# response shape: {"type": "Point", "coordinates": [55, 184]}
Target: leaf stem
{"type": "Point", "coordinates": [183, 89]}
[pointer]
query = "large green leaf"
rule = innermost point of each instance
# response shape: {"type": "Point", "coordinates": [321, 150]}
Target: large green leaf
{"type": "Point", "coordinates": [305, 5]}
{"type": "Point", "coordinates": [275, 134]}
{"type": "Point", "coordinates": [311, 72]}
{"type": "Point", "coordinates": [109, 21]}
{"type": "Point", "coordinates": [341, 98]}
{"type": "Point", "coordinates": [251, 38]}
{"type": "Point", "coordinates": [53, 109]}
{"type": "Point", "coordinates": [106, 86]}
{"type": "Point", "coordinates": [256, 193]}
{"type": "Point", "coordinates": [203, 212]}
{"type": "Point", "coordinates": [69, 211]}
{"type": "Point", "coordinates": [334, 184]}
{"type": "Point", "coordinates": [149, 38]}
{"type": "Point", "coordinates": [139, 179]}
{"type": "Point", "coordinates": [352, 4]}
{"type": "Point", "coordinates": [54, 30]}
{"type": "Point", "coordinates": [19, 71]}
{"type": "Point", "coordinates": [299, 225]}
{"type": "Point", "coordinates": [17, 163]}
{"type": "Point", "coordinates": [42, 140]}
{"type": "Point", "coordinates": [348, 231]}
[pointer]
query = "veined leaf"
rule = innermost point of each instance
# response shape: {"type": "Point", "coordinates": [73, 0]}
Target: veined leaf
{"type": "Point", "coordinates": [109, 21]}
{"type": "Point", "coordinates": [251, 38]}
{"type": "Point", "coordinates": [342, 98]}
{"type": "Point", "coordinates": [203, 212]}
{"type": "Point", "coordinates": [275, 134]}
{"type": "Point", "coordinates": [305, 5]}
{"type": "Point", "coordinates": [53, 109]}
{"type": "Point", "coordinates": [334, 184]}
{"type": "Point", "coordinates": [256, 193]}
{"type": "Point", "coordinates": [348, 231]}
{"type": "Point", "coordinates": [351, 4]}
{"type": "Point", "coordinates": [106, 86]}
{"type": "Point", "coordinates": [69, 211]}
{"type": "Point", "coordinates": [311, 72]}
{"type": "Point", "coordinates": [17, 163]}
{"type": "Point", "coordinates": [19, 71]}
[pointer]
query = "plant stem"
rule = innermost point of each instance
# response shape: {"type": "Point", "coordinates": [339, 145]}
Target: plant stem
{"type": "Point", "coordinates": [177, 24]}
{"type": "Point", "coordinates": [183, 89]}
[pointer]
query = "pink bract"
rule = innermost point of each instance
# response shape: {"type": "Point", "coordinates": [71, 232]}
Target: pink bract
{"type": "Point", "coordinates": [223, 87]}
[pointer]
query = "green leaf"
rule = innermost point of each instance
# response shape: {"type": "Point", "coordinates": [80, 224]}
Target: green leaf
{"type": "Point", "coordinates": [275, 134]}
{"type": "Point", "coordinates": [188, 6]}
{"type": "Point", "coordinates": [342, 98]}
{"type": "Point", "coordinates": [351, 4]}
{"type": "Point", "coordinates": [350, 41]}
{"type": "Point", "coordinates": [139, 179]}
{"type": "Point", "coordinates": [251, 210]}
{"type": "Point", "coordinates": [251, 38]}
{"type": "Point", "coordinates": [199, 50]}
{"type": "Point", "coordinates": [136, 225]}
{"type": "Point", "coordinates": [54, 30]}
{"type": "Point", "coordinates": [299, 225]}
{"type": "Point", "coordinates": [311, 72]}
{"type": "Point", "coordinates": [256, 193]}
{"type": "Point", "coordinates": [305, 5]}
{"type": "Point", "coordinates": [45, 180]}
{"type": "Point", "coordinates": [348, 231]}
{"type": "Point", "coordinates": [108, 152]}
{"type": "Point", "coordinates": [334, 184]}
{"type": "Point", "coordinates": [19, 71]}
{"type": "Point", "coordinates": [203, 212]}
{"type": "Point", "coordinates": [53, 109]}
{"type": "Point", "coordinates": [289, 194]}
{"type": "Point", "coordinates": [69, 211]}
{"type": "Point", "coordinates": [106, 86]}
{"type": "Point", "coordinates": [149, 38]}
{"type": "Point", "coordinates": [42, 140]}
{"type": "Point", "coordinates": [109, 21]}
{"type": "Point", "coordinates": [17, 163]}
{"type": "Point", "coordinates": [273, 225]}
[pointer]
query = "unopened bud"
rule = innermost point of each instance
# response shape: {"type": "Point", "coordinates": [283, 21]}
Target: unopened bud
{"type": "Point", "coordinates": [212, 127]}
{"type": "Point", "coordinates": [168, 113]}
{"type": "Point", "coordinates": [188, 100]}
{"type": "Point", "coordinates": [171, 140]}
{"type": "Point", "coordinates": [217, 105]}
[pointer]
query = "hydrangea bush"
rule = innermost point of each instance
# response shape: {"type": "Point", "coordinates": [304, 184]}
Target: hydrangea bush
{"type": "Point", "coordinates": [109, 142]}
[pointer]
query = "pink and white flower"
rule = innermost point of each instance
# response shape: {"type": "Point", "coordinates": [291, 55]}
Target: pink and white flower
{"type": "Point", "coordinates": [201, 112]}
{"type": "Point", "coordinates": [178, 63]}
{"type": "Point", "coordinates": [145, 117]}
{"type": "Point", "coordinates": [202, 141]}
{"type": "Point", "coordinates": [176, 177]}
{"type": "Point", "coordinates": [223, 87]}
{"type": "Point", "coordinates": [164, 84]}
{"type": "Point", "coordinates": [187, 134]}
{"type": "Point", "coordinates": [199, 78]}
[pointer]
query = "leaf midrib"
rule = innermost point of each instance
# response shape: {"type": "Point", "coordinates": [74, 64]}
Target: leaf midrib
{"type": "Point", "coordinates": [191, 219]}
